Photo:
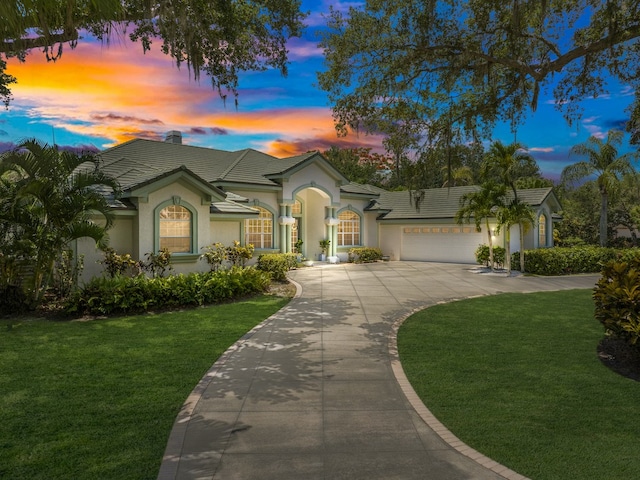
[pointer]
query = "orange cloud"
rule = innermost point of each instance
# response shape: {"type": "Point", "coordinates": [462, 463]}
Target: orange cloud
{"type": "Point", "coordinates": [117, 93]}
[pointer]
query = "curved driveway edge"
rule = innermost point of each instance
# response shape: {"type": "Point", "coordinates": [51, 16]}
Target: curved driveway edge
{"type": "Point", "coordinates": [317, 392]}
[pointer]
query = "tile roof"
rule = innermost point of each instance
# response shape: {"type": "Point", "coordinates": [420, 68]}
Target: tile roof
{"type": "Point", "coordinates": [441, 203]}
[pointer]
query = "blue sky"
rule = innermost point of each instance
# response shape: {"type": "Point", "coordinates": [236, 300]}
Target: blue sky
{"type": "Point", "coordinates": [100, 96]}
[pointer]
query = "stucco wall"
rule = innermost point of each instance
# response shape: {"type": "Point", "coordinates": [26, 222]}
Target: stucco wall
{"type": "Point", "coordinates": [390, 241]}
{"type": "Point", "coordinates": [225, 231]}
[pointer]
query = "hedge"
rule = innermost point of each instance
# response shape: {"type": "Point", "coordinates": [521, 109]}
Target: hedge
{"type": "Point", "coordinates": [106, 296]}
{"type": "Point", "coordinates": [567, 261]}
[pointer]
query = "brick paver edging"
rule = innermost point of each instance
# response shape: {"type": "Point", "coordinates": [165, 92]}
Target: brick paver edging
{"type": "Point", "coordinates": [429, 418]}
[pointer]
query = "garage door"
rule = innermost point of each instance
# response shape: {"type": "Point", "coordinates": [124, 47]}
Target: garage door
{"type": "Point", "coordinates": [441, 243]}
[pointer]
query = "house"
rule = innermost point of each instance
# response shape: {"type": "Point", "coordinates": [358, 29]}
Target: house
{"type": "Point", "coordinates": [185, 198]}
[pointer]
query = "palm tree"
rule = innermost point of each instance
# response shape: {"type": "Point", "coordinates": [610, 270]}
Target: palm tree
{"type": "Point", "coordinates": [603, 162]}
{"type": "Point", "coordinates": [482, 204]}
{"type": "Point", "coordinates": [507, 163]}
{"type": "Point", "coordinates": [516, 212]}
{"type": "Point", "coordinates": [55, 197]}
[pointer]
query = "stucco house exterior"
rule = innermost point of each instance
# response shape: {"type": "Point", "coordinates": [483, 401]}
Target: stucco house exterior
{"type": "Point", "coordinates": [185, 198]}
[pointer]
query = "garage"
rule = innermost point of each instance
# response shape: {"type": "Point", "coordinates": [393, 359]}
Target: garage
{"type": "Point", "coordinates": [440, 243]}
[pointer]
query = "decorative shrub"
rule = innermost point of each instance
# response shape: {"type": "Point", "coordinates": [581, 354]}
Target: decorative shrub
{"type": "Point", "coordinates": [106, 296]}
{"type": "Point", "coordinates": [158, 263]}
{"type": "Point", "coordinates": [482, 255]}
{"type": "Point", "coordinates": [115, 264]}
{"type": "Point", "coordinates": [238, 255]}
{"type": "Point", "coordinates": [364, 255]}
{"type": "Point", "coordinates": [617, 300]}
{"type": "Point", "coordinates": [566, 261]}
{"type": "Point", "coordinates": [277, 264]}
{"type": "Point", "coordinates": [215, 255]}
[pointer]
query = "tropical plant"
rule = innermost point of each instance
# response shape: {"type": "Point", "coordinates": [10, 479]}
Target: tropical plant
{"type": "Point", "coordinates": [324, 245]}
{"type": "Point", "coordinates": [516, 212]}
{"type": "Point", "coordinates": [54, 198]}
{"type": "Point", "coordinates": [507, 164]}
{"type": "Point", "coordinates": [482, 205]}
{"type": "Point", "coordinates": [603, 162]}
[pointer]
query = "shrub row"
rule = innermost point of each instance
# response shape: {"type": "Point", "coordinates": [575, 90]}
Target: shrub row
{"type": "Point", "coordinates": [364, 255]}
{"type": "Point", "coordinates": [106, 296]}
{"type": "Point", "coordinates": [566, 261]}
{"type": "Point", "coordinates": [617, 300]}
{"type": "Point", "coordinates": [277, 264]}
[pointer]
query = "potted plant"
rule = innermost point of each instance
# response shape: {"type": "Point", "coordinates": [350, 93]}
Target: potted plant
{"type": "Point", "coordinates": [298, 248]}
{"type": "Point", "coordinates": [324, 247]}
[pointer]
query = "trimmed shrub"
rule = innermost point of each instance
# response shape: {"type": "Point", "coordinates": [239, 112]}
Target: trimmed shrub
{"type": "Point", "coordinates": [277, 264]}
{"type": "Point", "coordinates": [617, 300]}
{"type": "Point", "coordinates": [106, 296]}
{"type": "Point", "coordinates": [482, 255]}
{"type": "Point", "coordinates": [567, 261]}
{"type": "Point", "coordinates": [364, 255]}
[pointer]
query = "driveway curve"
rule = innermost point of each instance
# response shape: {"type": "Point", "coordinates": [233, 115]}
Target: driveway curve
{"type": "Point", "coordinates": [316, 390]}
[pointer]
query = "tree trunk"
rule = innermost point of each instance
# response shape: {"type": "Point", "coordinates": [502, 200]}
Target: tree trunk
{"type": "Point", "coordinates": [521, 227]}
{"type": "Point", "coordinates": [491, 263]}
{"type": "Point", "coordinates": [507, 249]}
{"type": "Point", "coordinates": [603, 218]}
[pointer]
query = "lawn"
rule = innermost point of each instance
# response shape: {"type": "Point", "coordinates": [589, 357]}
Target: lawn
{"type": "Point", "coordinates": [97, 399]}
{"type": "Point", "coordinates": [517, 377]}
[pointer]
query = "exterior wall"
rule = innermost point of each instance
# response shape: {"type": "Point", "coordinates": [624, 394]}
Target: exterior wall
{"type": "Point", "coordinates": [120, 239]}
{"type": "Point", "coordinates": [370, 230]}
{"type": "Point", "coordinates": [390, 240]}
{"type": "Point", "coordinates": [311, 176]}
{"type": "Point", "coordinates": [225, 231]}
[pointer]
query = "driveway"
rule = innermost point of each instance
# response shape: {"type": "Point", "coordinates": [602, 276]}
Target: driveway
{"type": "Point", "coordinates": [316, 391]}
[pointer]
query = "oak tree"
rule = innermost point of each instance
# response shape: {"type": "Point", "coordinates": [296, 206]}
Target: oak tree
{"type": "Point", "coordinates": [457, 67]}
{"type": "Point", "coordinates": [220, 38]}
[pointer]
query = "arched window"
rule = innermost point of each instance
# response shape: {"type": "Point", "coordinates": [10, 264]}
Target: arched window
{"type": "Point", "coordinates": [349, 228]}
{"type": "Point", "coordinates": [542, 230]}
{"type": "Point", "coordinates": [259, 231]}
{"type": "Point", "coordinates": [175, 229]}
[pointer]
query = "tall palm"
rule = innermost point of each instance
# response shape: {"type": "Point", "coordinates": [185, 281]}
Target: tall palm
{"type": "Point", "coordinates": [507, 163]}
{"type": "Point", "coordinates": [603, 162]}
{"type": "Point", "coordinates": [516, 212]}
{"type": "Point", "coordinates": [56, 197]}
{"type": "Point", "coordinates": [482, 205]}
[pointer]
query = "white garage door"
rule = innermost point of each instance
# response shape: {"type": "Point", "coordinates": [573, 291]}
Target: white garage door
{"type": "Point", "coordinates": [441, 243]}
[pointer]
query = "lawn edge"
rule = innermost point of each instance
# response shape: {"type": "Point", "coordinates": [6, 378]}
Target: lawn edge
{"type": "Point", "coordinates": [427, 416]}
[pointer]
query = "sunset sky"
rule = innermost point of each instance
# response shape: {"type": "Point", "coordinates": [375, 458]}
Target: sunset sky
{"type": "Point", "coordinates": [99, 95]}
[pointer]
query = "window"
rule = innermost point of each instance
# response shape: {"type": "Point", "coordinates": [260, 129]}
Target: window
{"type": "Point", "coordinates": [259, 231]}
{"type": "Point", "coordinates": [542, 231]}
{"type": "Point", "coordinates": [175, 229]}
{"type": "Point", "coordinates": [296, 212]}
{"type": "Point", "coordinates": [349, 228]}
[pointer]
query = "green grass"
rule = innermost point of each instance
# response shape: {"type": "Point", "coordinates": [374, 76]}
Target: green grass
{"type": "Point", "coordinates": [97, 399]}
{"type": "Point", "coordinates": [517, 377]}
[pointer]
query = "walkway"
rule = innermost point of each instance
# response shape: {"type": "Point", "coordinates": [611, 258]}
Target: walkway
{"type": "Point", "coordinates": [312, 393]}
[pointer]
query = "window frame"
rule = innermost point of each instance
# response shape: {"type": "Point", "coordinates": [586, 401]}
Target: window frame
{"type": "Point", "coordinates": [356, 223]}
{"type": "Point", "coordinates": [176, 201]}
{"type": "Point", "coordinates": [262, 220]}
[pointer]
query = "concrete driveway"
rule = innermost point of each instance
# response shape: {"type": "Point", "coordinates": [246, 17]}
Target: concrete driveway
{"type": "Point", "coordinates": [316, 391]}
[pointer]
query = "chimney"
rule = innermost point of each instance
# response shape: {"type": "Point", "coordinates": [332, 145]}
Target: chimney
{"type": "Point", "coordinates": [174, 136]}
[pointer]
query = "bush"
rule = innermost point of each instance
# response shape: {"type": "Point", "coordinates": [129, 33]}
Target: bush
{"type": "Point", "coordinates": [567, 261]}
{"type": "Point", "coordinates": [364, 255]}
{"type": "Point", "coordinates": [106, 296]}
{"type": "Point", "coordinates": [13, 300]}
{"type": "Point", "coordinates": [115, 264]}
{"type": "Point", "coordinates": [617, 300]}
{"type": "Point", "coordinates": [482, 255]}
{"type": "Point", "coordinates": [238, 255]}
{"type": "Point", "coordinates": [215, 255]}
{"type": "Point", "coordinates": [277, 264]}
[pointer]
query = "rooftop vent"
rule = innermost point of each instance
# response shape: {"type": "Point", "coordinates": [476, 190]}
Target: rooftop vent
{"type": "Point", "coordinates": [174, 136]}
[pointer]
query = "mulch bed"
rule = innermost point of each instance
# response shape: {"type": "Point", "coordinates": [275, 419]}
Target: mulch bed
{"type": "Point", "coordinates": [620, 357]}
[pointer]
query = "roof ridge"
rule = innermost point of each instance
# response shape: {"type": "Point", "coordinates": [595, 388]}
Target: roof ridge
{"type": "Point", "coordinates": [245, 152]}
